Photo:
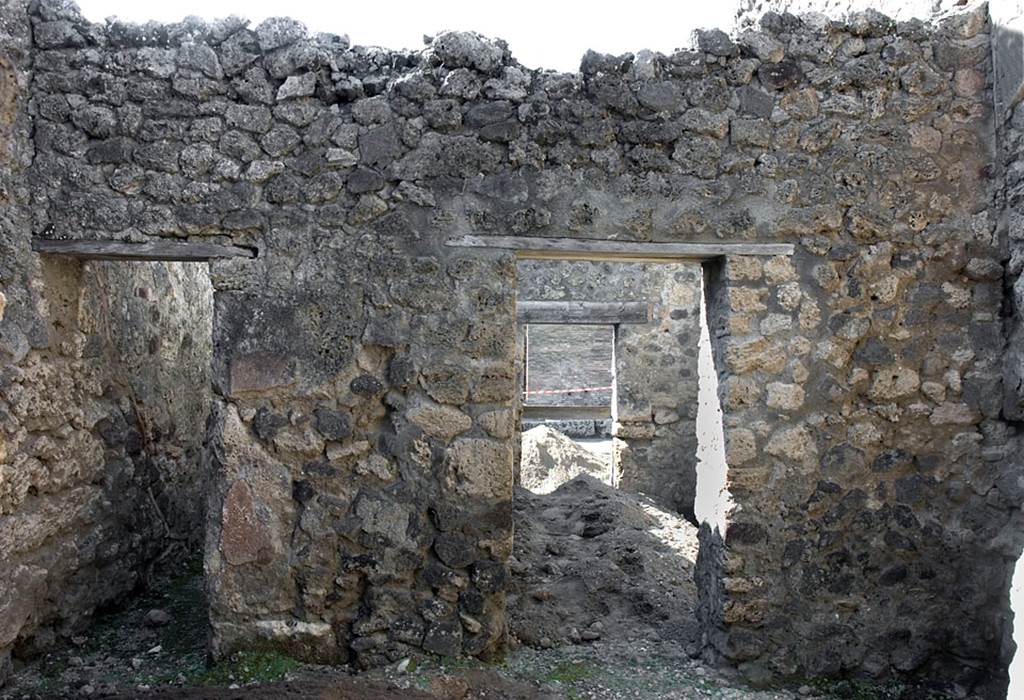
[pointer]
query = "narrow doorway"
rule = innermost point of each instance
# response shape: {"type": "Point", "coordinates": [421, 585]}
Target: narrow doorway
{"type": "Point", "coordinates": [605, 542]}
{"type": "Point", "coordinates": [608, 363]}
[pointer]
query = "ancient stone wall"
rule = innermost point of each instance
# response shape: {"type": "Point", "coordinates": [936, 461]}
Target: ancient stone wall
{"type": "Point", "coordinates": [1007, 17]}
{"type": "Point", "coordinates": [362, 440]}
{"type": "Point", "coordinates": [749, 12]}
{"type": "Point", "coordinates": [104, 389]}
{"type": "Point", "coordinates": [655, 366]}
{"type": "Point", "coordinates": [841, 485]}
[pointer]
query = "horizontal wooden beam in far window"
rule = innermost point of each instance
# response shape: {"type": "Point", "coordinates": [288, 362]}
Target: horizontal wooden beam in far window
{"type": "Point", "coordinates": [601, 313]}
{"type": "Point", "coordinates": [549, 412]}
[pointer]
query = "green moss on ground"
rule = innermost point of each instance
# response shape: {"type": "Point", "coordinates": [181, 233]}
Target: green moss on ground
{"type": "Point", "coordinates": [247, 667]}
{"type": "Point", "coordinates": [569, 672]}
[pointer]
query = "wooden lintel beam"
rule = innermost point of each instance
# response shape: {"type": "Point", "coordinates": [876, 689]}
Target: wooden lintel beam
{"type": "Point", "coordinates": [539, 248]}
{"type": "Point", "coordinates": [166, 251]}
{"type": "Point", "coordinates": [582, 312]}
{"type": "Point", "coordinates": [542, 412]}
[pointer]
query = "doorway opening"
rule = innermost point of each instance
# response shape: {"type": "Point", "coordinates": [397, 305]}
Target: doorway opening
{"type": "Point", "coordinates": [1016, 669]}
{"type": "Point", "coordinates": [114, 407]}
{"type": "Point", "coordinates": [608, 366]}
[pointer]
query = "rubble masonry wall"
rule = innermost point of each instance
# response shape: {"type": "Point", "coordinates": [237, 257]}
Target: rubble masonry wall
{"type": "Point", "coordinates": [104, 391]}
{"type": "Point", "coordinates": [361, 438]}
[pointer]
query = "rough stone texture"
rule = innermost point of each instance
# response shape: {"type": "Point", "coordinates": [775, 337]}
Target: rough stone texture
{"type": "Point", "coordinates": [103, 422]}
{"type": "Point", "coordinates": [574, 428]}
{"type": "Point", "coordinates": [865, 17]}
{"type": "Point", "coordinates": [1008, 88]}
{"type": "Point", "coordinates": [875, 522]}
{"type": "Point", "coordinates": [655, 366]}
{"type": "Point", "coordinates": [104, 375]}
{"type": "Point", "coordinates": [655, 431]}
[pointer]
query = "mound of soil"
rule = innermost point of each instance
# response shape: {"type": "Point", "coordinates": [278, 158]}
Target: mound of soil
{"type": "Point", "coordinates": [593, 562]}
{"type": "Point", "coordinates": [549, 459]}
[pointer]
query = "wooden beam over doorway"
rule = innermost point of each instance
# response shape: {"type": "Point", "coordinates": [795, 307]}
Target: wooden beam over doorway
{"type": "Point", "coordinates": [540, 248]}
{"type": "Point", "coordinates": [165, 251]}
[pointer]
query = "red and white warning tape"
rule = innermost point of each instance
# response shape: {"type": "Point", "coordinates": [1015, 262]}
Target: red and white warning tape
{"type": "Point", "coordinates": [568, 391]}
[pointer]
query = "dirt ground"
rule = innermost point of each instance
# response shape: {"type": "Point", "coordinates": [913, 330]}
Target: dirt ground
{"type": "Point", "coordinates": [328, 684]}
{"type": "Point", "coordinates": [601, 608]}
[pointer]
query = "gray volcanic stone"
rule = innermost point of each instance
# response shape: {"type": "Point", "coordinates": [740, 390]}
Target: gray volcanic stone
{"type": "Point", "coordinates": [249, 118]}
{"type": "Point", "coordinates": [96, 120]}
{"type": "Point", "coordinates": [366, 385]}
{"type": "Point", "coordinates": [469, 50]}
{"type": "Point", "coordinates": [716, 42]}
{"type": "Point", "coordinates": [780, 76]}
{"type": "Point", "coordinates": [665, 96]}
{"type": "Point", "coordinates": [58, 35]}
{"type": "Point", "coordinates": [363, 180]}
{"type": "Point", "coordinates": [871, 23]}
{"type": "Point", "coordinates": [488, 113]}
{"type": "Point", "coordinates": [755, 102]}
{"type": "Point", "coordinates": [341, 157]}
{"type": "Point", "coordinates": [885, 156]}
{"type": "Point", "coordinates": [380, 146]}
{"type": "Point", "coordinates": [280, 140]}
{"type": "Point", "coordinates": [332, 424]}
{"type": "Point", "coordinates": [762, 45]}
{"type": "Point", "coordinates": [443, 638]}
{"type": "Point", "coordinates": [200, 57]}
{"type": "Point", "coordinates": [238, 52]}
{"type": "Point", "coordinates": [275, 32]}
{"type": "Point", "coordinates": [297, 86]}
{"type": "Point", "coordinates": [253, 86]}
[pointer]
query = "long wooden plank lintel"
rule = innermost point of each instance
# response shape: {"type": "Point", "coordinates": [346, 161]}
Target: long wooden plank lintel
{"type": "Point", "coordinates": [539, 248]}
{"type": "Point", "coordinates": [164, 251]}
{"type": "Point", "coordinates": [582, 312]}
{"type": "Point", "coordinates": [549, 412]}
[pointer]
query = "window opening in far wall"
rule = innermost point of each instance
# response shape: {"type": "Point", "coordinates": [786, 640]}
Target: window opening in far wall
{"type": "Point", "coordinates": [568, 387]}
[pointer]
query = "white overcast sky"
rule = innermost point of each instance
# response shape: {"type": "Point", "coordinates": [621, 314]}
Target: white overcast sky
{"type": "Point", "coordinates": [541, 34]}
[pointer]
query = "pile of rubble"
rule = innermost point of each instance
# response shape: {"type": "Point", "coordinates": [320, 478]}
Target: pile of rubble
{"type": "Point", "coordinates": [549, 459]}
{"type": "Point", "coordinates": [592, 562]}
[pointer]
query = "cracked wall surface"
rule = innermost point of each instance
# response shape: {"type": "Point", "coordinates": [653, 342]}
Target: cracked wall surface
{"type": "Point", "coordinates": [361, 440]}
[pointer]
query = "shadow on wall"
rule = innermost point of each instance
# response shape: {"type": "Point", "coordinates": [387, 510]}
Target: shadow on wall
{"type": "Point", "coordinates": [105, 413]}
{"type": "Point", "coordinates": [1008, 68]}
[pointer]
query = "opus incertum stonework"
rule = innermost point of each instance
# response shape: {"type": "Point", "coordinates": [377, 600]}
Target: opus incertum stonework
{"type": "Point", "coordinates": [343, 226]}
